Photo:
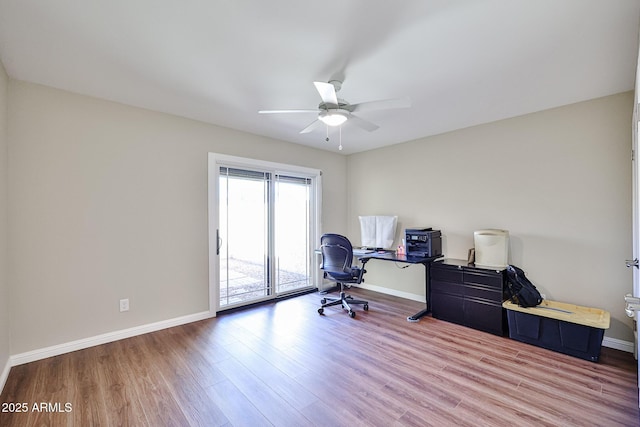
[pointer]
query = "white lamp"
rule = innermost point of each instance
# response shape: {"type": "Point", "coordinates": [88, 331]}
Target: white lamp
{"type": "Point", "coordinates": [333, 117]}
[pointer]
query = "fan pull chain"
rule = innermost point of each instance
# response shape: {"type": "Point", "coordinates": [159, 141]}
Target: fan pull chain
{"type": "Point", "coordinates": [327, 126]}
{"type": "Point", "coordinates": [340, 130]}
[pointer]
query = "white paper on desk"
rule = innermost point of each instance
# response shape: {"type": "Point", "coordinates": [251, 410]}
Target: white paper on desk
{"type": "Point", "coordinates": [368, 231]}
{"type": "Point", "coordinates": [377, 231]}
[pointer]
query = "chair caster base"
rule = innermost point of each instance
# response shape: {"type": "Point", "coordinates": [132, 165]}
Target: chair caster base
{"type": "Point", "coordinates": [345, 301]}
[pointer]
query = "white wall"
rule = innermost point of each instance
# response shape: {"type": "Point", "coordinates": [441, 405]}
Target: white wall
{"type": "Point", "coordinates": [558, 180]}
{"type": "Point", "coordinates": [108, 201]}
{"type": "Point", "coordinates": [4, 285]}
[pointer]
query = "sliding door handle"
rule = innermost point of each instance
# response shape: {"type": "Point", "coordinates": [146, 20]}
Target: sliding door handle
{"type": "Point", "coordinates": [632, 263]}
{"type": "Point", "coordinates": [218, 242]}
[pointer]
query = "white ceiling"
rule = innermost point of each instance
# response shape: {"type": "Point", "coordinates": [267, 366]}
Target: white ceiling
{"type": "Point", "coordinates": [462, 62]}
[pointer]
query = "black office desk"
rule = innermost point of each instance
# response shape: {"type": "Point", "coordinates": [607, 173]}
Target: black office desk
{"type": "Point", "coordinates": [426, 261]}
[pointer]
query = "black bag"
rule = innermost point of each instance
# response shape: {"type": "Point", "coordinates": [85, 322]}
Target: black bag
{"type": "Point", "coordinates": [521, 289]}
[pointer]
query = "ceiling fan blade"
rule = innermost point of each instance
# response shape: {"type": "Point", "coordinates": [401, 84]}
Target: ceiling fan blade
{"type": "Point", "coordinates": [384, 104]}
{"type": "Point", "coordinates": [361, 123]}
{"type": "Point", "coordinates": [312, 126]}
{"type": "Point", "coordinates": [327, 92]}
{"type": "Point", "coordinates": [286, 111]}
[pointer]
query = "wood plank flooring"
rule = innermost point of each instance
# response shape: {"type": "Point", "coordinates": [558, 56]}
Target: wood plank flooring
{"type": "Point", "coordinates": [283, 364]}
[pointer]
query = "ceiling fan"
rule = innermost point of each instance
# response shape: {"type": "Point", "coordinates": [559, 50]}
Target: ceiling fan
{"type": "Point", "coordinates": [334, 111]}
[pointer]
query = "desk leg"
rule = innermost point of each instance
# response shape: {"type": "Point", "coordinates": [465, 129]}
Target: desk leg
{"type": "Point", "coordinates": [427, 284]}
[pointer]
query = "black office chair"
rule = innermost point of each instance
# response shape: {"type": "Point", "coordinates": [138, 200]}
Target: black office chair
{"type": "Point", "coordinates": [337, 257]}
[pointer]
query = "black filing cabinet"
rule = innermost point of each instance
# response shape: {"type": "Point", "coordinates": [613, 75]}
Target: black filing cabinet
{"type": "Point", "coordinates": [469, 295]}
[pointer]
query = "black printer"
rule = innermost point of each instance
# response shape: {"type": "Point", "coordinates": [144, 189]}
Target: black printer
{"type": "Point", "coordinates": [423, 242]}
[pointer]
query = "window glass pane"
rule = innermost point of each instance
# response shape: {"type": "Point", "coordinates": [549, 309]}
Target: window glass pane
{"type": "Point", "coordinates": [292, 233]}
{"type": "Point", "coordinates": [243, 229]}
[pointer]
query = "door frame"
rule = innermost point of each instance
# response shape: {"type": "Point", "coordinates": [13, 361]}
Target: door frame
{"type": "Point", "coordinates": [636, 222]}
{"type": "Point", "coordinates": [635, 203]}
{"type": "Point", "coordinates": [215, 160]}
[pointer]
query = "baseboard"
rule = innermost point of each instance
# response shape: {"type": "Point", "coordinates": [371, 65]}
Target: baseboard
{"type": "Point", "coordinates": [394, 292]}
{"type": "Point", "coordinates": [618, 344]}
{"type": "Point", "coordinates": [43, 353]}
{"type": "Point", "coordinates": [614, 343]}
{"type": "Point", "coordinates": [32, 356]}
{"type": "Point", "coordinates": [5, 374]}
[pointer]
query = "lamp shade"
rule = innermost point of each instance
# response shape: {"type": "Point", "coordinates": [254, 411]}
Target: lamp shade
{"type": "Point", "coordinates": [333, 117]}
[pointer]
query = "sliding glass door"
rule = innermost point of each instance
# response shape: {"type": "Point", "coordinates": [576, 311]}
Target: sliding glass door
{"type": "Point", "coordinates": [244, 236]}
{"type": "Point", "coordinates": [292, 233]}
{"type": "Point", "coordinates": [265, 231]}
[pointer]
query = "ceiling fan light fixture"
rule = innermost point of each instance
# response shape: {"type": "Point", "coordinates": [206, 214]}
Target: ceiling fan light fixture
{"type": "Point", "coordinates": [333, 118]}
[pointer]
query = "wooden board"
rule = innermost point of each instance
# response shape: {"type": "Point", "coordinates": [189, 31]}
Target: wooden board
{"type": "Point", "coordinates": [572, 313]}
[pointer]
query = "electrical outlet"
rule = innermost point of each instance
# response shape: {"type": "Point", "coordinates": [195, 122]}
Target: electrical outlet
{"type": "Point", "coordinates": [124, 305]}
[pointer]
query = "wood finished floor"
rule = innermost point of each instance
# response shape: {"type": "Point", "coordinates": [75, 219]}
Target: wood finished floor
{"type": "Point", "coordinates": [283, 364]}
